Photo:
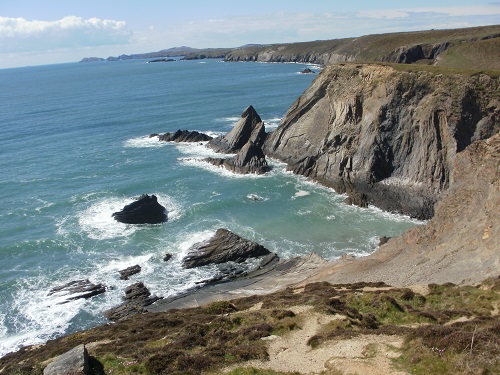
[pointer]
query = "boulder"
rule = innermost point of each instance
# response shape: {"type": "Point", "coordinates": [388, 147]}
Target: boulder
{"type": "Point", "coordinates": [137, 296]}
{"type": "Point", "coordinates": [183, 136]}
{"type": "Point", "coordinates": [307, 71]}
{"type": "Point", "coordinates": [167, 257]}
{"type": "Point", "coordinates": [77, 289]}
{"type": "Point", "coordinates": [249, 128]}
{"type": "Point", "coordinates": [145, 210]}
{"type": "Point", "coordinates": [250, 159]}
{"type": "Point", "coordinates": [74, 362]}
{"type": "Point", "coordinates": [224, 246]}
{"type": "Point", "coordinates": [129, 271]}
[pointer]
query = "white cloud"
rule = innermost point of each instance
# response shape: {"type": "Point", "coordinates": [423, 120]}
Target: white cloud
{"type": "Point", "coordinates": [21, 35]}
{"type": "Point", "coordinates": [459, 11]}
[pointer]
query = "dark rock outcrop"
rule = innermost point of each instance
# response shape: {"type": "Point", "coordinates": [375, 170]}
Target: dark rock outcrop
{"type": "Point", "coordinates": [145, 210]}
{"type": "Point", "coordinates": [73, 362]}
{"type": "Point", "coordinates": [137, 297]}
{"type": "Point", "coordinates": [167, 257]}
{"type": "Point", "coordinates": [78, 289]}
{"type": "Point", "coordinates": [223, 247]}
{"type": "Point", "coordinates": [129, 271]}
{"type": "Point", "coordinates": [386, 136]}
{"type": "Point", "coordinates": [307, 71]}
{"type": "Point", "coordinates": [249, 128]}
{"type": "Point", "coordinates": [183, 136]}
{"type": "Point", "coordinates": [250, 159]}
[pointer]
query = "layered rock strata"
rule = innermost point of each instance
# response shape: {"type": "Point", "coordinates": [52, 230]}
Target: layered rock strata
{"type": "Point", "coordinates": [250, 159]}
{"type": "Point", "coordinates": [249, 128]}
{"type": "Point", "coordinates": [460, 244]}
{"type": "Point", "coordinates": [387, 134]}
{"type": "Point", "coordinates": [223, 247]}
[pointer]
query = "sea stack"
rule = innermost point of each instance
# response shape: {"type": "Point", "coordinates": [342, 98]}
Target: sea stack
{"type": "Point", "coordinates": [145, 210]}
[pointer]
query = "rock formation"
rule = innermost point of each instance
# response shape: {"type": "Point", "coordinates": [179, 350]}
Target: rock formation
{"type": "Point", "coordinates": [129, 271]}
{"type": "Point", "coordinates": [183, 136]}
{"type": "Point", "coordinates": [307, 71]}
{"type": "Point", "coordinates": [391, 135]}
{"type": "Point", "coordinates": [249, 128]}
{"type": "Point", "coordinates": [137, 297]}
{"type": "Point", "coordinates": [459, 244]}
{"type": "Point", "coordinates": [223, 247]}
{"type": "Point", "coordinates": [145, 210]}
{"type": "Point", "coordinates": [77, 289]}
{"type": "Point", "coordinates": [250, 159]}
{"type": "Point", "coordinates": [74, 362]}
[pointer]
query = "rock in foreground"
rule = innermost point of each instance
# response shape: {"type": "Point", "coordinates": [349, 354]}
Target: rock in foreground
{"type": "Point", "coordinates": [250, 159]}
{"type": "Point", "coordinates": [145, 210]}
{"type": "Point", "coordinates": [224, 246]}
{"type": "Point", "coordinates": [73, 362]}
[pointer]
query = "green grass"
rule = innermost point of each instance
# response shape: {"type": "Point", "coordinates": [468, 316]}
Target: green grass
{"type": "Point", "coordinates": [223, 334]}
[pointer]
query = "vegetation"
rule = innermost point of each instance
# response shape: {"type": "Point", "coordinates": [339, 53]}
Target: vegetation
{"type": "Point", "coordinates": [452, 329]}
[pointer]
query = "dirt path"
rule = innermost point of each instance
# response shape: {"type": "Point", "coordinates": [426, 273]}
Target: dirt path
{"type": "Point", "coordinates": [366, 354]}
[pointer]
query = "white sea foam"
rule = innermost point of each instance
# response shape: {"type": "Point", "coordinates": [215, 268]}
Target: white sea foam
{"type": "Point", "coordinates": [199, 163]}
{"type": "Point", "coordinates": [232, 120]}
{"type": "Point", "coordinates": [44, 204]}
{"type": "Point", "coordinates": [198, 150]}
{"type": "Point", "coordinates": [98, 223]}
{"type": "Point", "coordinates": [301, 193]}
{"type": "Point", "coordinates": [144, 142]}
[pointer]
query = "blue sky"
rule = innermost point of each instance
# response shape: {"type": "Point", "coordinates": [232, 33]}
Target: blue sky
{"type": "Point", "coordinates": [53, 31]}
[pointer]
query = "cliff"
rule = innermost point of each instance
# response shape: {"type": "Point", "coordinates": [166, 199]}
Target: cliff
{"type": "Point", "coordinates": [460, 243]}
{"type": "Point", "coordinates": [455, 47]}
{"type": "Point", "coordinates": [389, 134]}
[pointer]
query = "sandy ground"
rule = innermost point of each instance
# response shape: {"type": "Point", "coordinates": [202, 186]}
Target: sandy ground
{"type": "Point", "coordinates": [366, 354]}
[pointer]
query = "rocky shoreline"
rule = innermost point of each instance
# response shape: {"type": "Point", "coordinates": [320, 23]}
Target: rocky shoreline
{"type": "Point", "coordinates": [418, 142]}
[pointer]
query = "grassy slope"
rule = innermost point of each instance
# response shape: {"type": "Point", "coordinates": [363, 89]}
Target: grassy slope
{"type": "Point", "coordinates": [206, 339]}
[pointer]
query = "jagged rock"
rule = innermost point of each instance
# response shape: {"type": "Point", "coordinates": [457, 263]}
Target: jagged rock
{"type": "Point", "coordinates": [224, 246]}
{"type": "Point", "coordinates": [383, 240]}
{"type": "Point", "coordinates": [184, 136]}
{"type": "Point", "coordinates": [78, 289]}
{"type": "Point", "coordinates": [390, 135]}
{"type": "Point", "coordinates": [129, 271]}
{"type": "Point", "coordinates": [307, 71]}
{"type": "Point", "coordinates": [137, 296]}
{"type": "Point", "coordinates": [250, 159]}
{"type": "Point", "coordinates": [73, 362]}
{"type": "Point", "coordinates": [145, 210]}
{"type": "Point", "coordinates": [249, 128]}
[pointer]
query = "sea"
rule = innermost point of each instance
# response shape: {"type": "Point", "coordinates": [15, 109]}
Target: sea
{"type": "Point", "coordinates": [75, 147]}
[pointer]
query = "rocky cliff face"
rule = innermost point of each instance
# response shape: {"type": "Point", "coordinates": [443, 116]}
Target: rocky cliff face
{"type": "Point", "coordinates": [389, 134]}
{"type": "Point", "coordinates": [460, 243]}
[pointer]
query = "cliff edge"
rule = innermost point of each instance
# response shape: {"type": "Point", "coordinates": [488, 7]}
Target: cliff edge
{"type": "Point", "coordinates": [387, 133]}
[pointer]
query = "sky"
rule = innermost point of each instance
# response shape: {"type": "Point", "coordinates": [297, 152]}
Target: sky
{"type": "Point", "coordinates": [35, 32]}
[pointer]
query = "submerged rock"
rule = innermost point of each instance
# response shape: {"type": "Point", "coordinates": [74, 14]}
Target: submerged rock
{"type": "Point", "coordinates": [307, 71]}
{"type": "Point", "coordinates": [145, 210]}
{"type": "Point", "coordinates": [224, 246]}
{"type": "Point", "coordinates": [250, 159]}
{"type": "Point", "coordinates": [183, 136]}
{"type": "Point", "coordinates": [78, 289]}
{"type": "Point", "coordinates": [129, 271]}
{"type": "Point", "coordinates": [137, 296]}
{"type": "Point", "coordinates": [74, 362]}
{"type": "Point", "coordinates": [249, 128]}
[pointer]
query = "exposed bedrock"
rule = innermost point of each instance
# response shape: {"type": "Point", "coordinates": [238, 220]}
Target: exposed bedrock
{"type": "Point", "coordinates": [183, 136]}
{"type": "Point", "coordinates": [250, 159]}
{"type": "Point", "coordinates": [137, 297]}
{"type": "Point", "coordinates": [223, 247]}
{"type": "Point", "coordinates": [249, 128]}
{"type": "Point", "coordinates": [77, 289]}
{"type": "Point", "coordinates": [145, 210]}
{"type": "Point", "coordinates": [389, 135]}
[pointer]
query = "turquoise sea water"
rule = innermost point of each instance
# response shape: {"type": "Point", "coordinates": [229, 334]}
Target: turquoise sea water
{"type": "Point", "coordinates": [74, 148]}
